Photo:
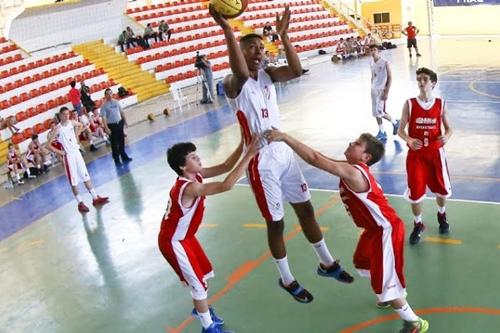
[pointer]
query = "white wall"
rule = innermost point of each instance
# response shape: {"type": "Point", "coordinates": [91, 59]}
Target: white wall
{"type": "Point", "coordinates": [38, 28]}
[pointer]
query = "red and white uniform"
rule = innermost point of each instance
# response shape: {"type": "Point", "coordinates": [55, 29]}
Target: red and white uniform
{"type": "Point", "coordinates": [178, 243]}
{"type": "Point", "coordinates": [426, 166]}
{"type": "Point", "coordinates": [379, 253]}
{"type": "Point", "coordinates": [378, 84]}
{"type": "Point", "coordinates": [274, 174]}
{"type": "Point", "coordinates": [30, 154]}
{"type": "Point", "coordinates": [13, 158]}
{"type": "Point", "coordinates": [95, 122]}
{"type": "Point", "coordinates": [75, 167]}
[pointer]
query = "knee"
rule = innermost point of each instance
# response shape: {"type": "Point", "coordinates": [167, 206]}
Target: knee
{"type": "Point", "coordinates": [275, 227]}
{"type": "Point", "coordinates": [305, 211]}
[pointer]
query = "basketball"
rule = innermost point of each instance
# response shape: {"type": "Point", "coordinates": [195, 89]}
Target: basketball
{"type": "Point", "coordinates": [229, 8]}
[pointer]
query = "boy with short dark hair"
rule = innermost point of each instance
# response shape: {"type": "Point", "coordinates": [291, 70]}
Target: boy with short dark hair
{"type": "Point", "coordinates": [379, 253]}
{"type": "Point", "coordinates": [177, 240]}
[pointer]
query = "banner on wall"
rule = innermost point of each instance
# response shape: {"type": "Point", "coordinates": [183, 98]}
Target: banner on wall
{"type": "Point", "coordinates": [439, 3]}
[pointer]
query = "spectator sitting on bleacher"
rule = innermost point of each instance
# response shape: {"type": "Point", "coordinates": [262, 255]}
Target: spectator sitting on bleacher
{"type": "Point", "coordinates": [163, 28]}
{"type": "Point", "coordinates": [369, 40]}
{"type": "Point", "coordinates": [149, 33]}
{"type": "Point", "coordinates": [137, 39]}
{"type": "Point", "coordinates": [358, 46]}
{"type": "Point", "coordinates": [16, 163]}
{"type": "Point", "coordinates": [9, 123]}
{"type": "Point", "coordinates": [87, 101]}
{"type": "Point", "coordinates": [37, 154]}
{"type": "Point", "coordinates": [268, 32]}
{"type": "Point", "coordinates": [341, 49]}
{"type": "Point", "coordinates": [97, 126]}
{"type": "Point", "coordinates": [124, 39]}
{"type": "Point", "coordinates": [74, 97]}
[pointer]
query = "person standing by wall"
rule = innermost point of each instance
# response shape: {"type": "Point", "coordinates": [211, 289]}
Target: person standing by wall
{"type": "Point", "coordinates": [411, 32]}
{"type": "Point", "coordinates": [114, 120]}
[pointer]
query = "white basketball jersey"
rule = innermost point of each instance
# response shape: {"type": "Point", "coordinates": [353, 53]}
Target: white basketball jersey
{"type": "Point", "coordinates": [67, 138]}
{"type": "Point", "coordinates": [379, 73]}
{"type": "Point", "coordinates": [256, 106]}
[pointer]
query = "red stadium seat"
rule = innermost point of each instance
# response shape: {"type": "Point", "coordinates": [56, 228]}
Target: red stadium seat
{"type": "Point", "coordinates": [17, 138]}
{"type": "Point", "coordinates": [31, 112]}
{"type": "Point", "coordinates": [27, 133]}
{"type": "Point", "coordinates": [39, 128]}
{"type": "Point", "coordinates": [21, 115]}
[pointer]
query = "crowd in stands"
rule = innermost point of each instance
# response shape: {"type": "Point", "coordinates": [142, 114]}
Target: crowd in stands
{"type": "Point", "coordinates": [353, 47]}
{"type": "Point", "coordinates": [129, 39]}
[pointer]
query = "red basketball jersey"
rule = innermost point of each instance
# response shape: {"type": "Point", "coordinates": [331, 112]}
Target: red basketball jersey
{"type": "Point", "coordinates": [425, 124]}
{"type": "Point", "coordinates": [181, 222]}
{"type": "Point", "coordinates": [411, 32]}
{"type": "Point", "coordinates": [369, 210]}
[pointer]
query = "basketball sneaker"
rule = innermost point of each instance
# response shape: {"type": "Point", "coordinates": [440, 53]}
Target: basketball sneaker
{"type": "Point", "coordinates": [99, 201]}
{"type": "Point", "coordinates": [395, 128]}
{"type": "Point", "coordinates": [419, 55]}
{"type": "Point", "coordinates": [444, 227]}
{"type": "Point", "coordinates": [82, 208]}
{"type": "Point", "coordinates": [418, 229]}
{"type": "Point", "coordinates": [299, 293]}
{"type": "Point", "coordinates": [335, 271]}
{"type": "Point", "coordinates": [216, 319]}
{"type": "Point", "coordinates": [419, 326]}
{"type": "Point", "coordinates": [214, 329]}
{"type": "Point", "coordinates": [381, 136]}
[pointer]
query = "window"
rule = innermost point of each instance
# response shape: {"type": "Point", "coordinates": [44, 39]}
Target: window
{"type": "Point", "coordinates": [381, 18]}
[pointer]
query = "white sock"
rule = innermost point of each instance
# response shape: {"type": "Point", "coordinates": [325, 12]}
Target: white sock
{"type": "Point", "coordinates": [323, 253]}
{"type": "Point", "coordinates": [394, 121]}
{"type": "Point", "coordinates": [93, 193]}
{"type": "Point", "coordinates": [381, 128]}
{"type": "Point", "coordinates": [406, 313]}
{"type": "Point", "coordinates": [418, 218]}
{"type": "Point", "coordinates": [78, 198]}
{"type": "Point", "coordinates": [28, 171]}
{"type": "Point", "coordinates": [205, 318]}
{"type": "Point", "coordinates": [17, 177]}
{"type": "Point", "coordinates": [284, 269]}
{"type": "Point", "coordinates": [442, 210]}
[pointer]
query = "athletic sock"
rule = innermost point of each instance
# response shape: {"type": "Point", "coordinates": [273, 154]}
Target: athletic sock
{"type": "Point", "coordinates": [406, 313]}
{"type": "Point", "coordinates": [442, 210]}
{"type": "Point", "coordinates": [394, 121]}
{"type": "Point", "coordinates": [418, 218]}
{"type": "Point", "coordinates": [78, 198]}
{"type": "Point", "coordinates": [284, 270]}
{"type": "Point", "coordinates": [93, 193]}
{"type": "Point", "coordinates": [323, 253]}
{"type": "Point", "coordinates": [381, 128]}
{"type": "Point", "coordinates": [205, 318]}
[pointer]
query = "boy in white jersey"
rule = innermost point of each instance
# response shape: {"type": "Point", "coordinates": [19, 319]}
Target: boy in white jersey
{"type": "Point", "coordinates": [177, 238]}
{"type": "Point", "coordinates": [379, 254]}
{"type": "Point", "coordinates": [381, 83]}
{"type": "Point", "coordinates": [274, 173]}
{"type": "Point", "coordinates": [65, 134]}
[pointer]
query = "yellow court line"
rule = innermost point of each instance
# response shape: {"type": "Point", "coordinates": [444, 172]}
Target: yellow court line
{"type": "Point", "coordinates": [447, 241]}
{"type": "Point", "coordinates": [255, 225]}
{"type": "Point", "coordinates": [324, 228]}
{"type": "Point", "coordinates": [208, 225]}
{"type": "Point", "coordinates": [498, 246]}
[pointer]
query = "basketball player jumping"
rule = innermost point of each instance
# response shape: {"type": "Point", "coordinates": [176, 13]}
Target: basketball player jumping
{"type": "Point", "coordinates": [274, 173]}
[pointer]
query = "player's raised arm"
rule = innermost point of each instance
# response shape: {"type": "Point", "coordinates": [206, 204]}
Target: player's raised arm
{"type": "Point", "coordinates": [196, 189]}
{"type": "Point", "coordinates": [226, 166]}
{"type": "Point", "coordinates": [240, 73]}
{"type": "Point", "coordinates": [294, 68]}
{"type": "Point", "coordinates": [313, 157]}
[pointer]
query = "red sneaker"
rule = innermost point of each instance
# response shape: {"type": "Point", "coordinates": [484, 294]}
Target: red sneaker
{"type": "Point", "coordinates": [100, 201]}
{"type": "Point", "coordinates": [82, 208]}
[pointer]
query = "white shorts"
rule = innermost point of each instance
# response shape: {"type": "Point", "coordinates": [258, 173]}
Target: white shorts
{"type": "Point", "coordinates": [274, 176]}
{"type": "Point", "coordinates": [378, 104]}
{"type": "Point", "coordinates": [75, 167]}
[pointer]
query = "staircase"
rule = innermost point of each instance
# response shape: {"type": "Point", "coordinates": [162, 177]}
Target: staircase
{"type": "Point", "coordinates": [118, 68]}
{"type": "Point", "coordinates": [240, 25]}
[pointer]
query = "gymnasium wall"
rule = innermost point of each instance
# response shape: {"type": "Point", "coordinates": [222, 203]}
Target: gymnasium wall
{"type": "Point", "coordinates": [368, 8]}
{"type": "Point", "coordinates": [39, 28]}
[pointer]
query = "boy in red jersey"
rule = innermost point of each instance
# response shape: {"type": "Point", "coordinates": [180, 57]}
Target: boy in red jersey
{"type": "Point", "coordinates": [379, 253]}
{"type": "Point", "coordinates": [426, 166]}
{"type": "Point", "coordinates": [177, 240]}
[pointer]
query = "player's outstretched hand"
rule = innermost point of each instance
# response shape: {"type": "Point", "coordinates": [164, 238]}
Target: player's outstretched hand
{"type": "Point", "coordinates": [219, 19]}
{"type": "Point", "coordinates": [415, 144]}
{"type": "Point", "coordinates": [274, 135]}
{"type": "Point", "coordinates": [283, 22]}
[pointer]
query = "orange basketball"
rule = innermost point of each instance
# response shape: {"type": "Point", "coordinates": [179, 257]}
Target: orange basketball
{"type": "Point", "coordinates": [229, 8]}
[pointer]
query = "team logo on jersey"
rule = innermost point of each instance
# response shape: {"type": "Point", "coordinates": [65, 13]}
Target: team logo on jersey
{"type": "Point", "coordinates": [425, 121]}
{"type": "Point", "coordinates": [267, 92]}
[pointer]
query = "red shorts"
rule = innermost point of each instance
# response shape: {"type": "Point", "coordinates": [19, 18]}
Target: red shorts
{"type": "Point", "coordinates": [380, 256]}
{"type": "Point", "coordinates": [188, 260]}
{"type": "Point", "coordinates": [427, 169]}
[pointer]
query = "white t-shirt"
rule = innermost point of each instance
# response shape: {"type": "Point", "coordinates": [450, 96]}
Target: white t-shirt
{"type": "Point", "coordinates": [67, 138]}
{"type": "Point", "coordinates": [379, 73]}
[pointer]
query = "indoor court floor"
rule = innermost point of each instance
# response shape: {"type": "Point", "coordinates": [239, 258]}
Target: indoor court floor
{"type": "Point", "coordinates": [63, 272]}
